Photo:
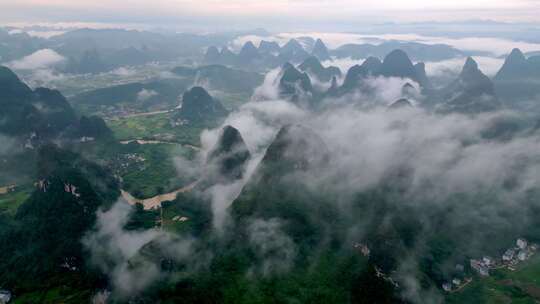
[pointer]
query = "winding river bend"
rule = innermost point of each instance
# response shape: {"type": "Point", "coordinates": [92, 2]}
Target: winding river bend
{"type": "Point", "coordinates": [155, 202]}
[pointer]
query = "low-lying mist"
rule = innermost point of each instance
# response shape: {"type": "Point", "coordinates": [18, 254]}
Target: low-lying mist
{"type": "Point", "coordinates": [465, 173]}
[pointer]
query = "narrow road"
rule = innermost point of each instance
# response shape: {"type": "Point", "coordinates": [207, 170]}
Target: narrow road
{"type": "Point", "coordinates": [145, 114]}
{"type": "Point", "coordinates": [119, 117]}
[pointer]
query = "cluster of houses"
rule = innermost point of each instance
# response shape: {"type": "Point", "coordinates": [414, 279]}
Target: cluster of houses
{"type": "Point", "coordinates": [8, 189]}
{"type": "Point", "coordinates": [43, 185]}
{"type": "Point", "coordinates": [31, 141]}
{"type": "Point", "coordinates": [5, 296]}
{"type": "Point", "coordinates": [126, 162]}
{"type": "Point", "coordinates": [113, 112]}
{"type": "Point", "coordinates": [522, 252]}
{"type": "Point", "coordinates": [70, 264]}
{"type": "Point", "coordinates": [511, 257]}
{"type": "Point", "coordinates": [456, 284]}
{"type": "Point", "coordinates": [69, 188]}
{"type": "Point", "coordinates": [363, 248]}
{"type": "Point", "coordinates": [386, 277]}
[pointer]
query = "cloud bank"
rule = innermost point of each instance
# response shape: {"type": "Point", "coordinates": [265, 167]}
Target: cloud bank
{"type": "Point", "coordinates": [41, 59]}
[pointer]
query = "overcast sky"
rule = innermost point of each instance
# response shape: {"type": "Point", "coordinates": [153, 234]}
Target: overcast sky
{"type": "Point", "coordinates": [170, 11]}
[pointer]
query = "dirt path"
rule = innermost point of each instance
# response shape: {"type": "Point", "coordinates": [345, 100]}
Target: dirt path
{"type": "Point", "coordinates": [467, 282]}
{"type": "Point", "coordinates": [142, 114]}
{"type": "Point", "coordinates": [155, 202]}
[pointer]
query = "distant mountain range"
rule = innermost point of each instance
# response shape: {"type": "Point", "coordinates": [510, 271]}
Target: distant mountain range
{"type": "Point", "coordinates": [471, 92]}
{"type": "Point", "coordinates": [42, 114]}
{"type": "Point", "coordinates": [219, 77]}
{"type": "Point", "coordinates": [417, 51]}
{"type": "Point", "coordinates": [102, 50]}
{"type": "Point", "coordinates": [270, 54]}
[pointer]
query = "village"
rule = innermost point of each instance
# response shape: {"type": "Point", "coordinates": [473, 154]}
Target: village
{"type": "Point", "coordinates": [365, 251]}
{"type": "Point", "coordinates": [8, 189]}
{"type": "Point", "coordinates": [513, 256]}
{"type": "Point", "coordinates": [521, 252]}
{"type": "Point", "coordinates": [128, 162]}
{"type": "Point", "coordinates": [5, 296]}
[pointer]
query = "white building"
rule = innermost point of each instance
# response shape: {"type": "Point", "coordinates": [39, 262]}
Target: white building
{"type": "Point", "coordinates": [5, 296]}
{"type": "Point", "coordinates": [522, 255]}
{"type": "Point", "coordinates": [487, 261]}
{"type": "Point", "coordinates": [456, 281]}
{"type": "Point", "coordinates": [447, 287]}
{"type": "Point", "coordinates": [521, 243]}
{"type": "Point", "coordinates": [508, 255]}
{"type": "Point", "coordinates": [480, 267]}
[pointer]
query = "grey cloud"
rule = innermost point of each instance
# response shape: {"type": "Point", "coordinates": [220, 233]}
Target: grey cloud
{"type": "Point", "coordinates": [272, 246]}
{"type": "Point", "coordinates": [116, 252]}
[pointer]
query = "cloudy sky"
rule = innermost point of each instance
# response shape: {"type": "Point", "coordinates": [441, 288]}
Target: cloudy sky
{"type": "Point", "coordinates": [249, 10]}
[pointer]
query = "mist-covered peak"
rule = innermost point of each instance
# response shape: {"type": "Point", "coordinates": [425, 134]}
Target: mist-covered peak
{"type": "Point", "coordinates": [269, 47]}
{"type": "Point", "coordinates": [311, 62]}
{"type": "Point", "coordinates": [229, 140]}
{"type": "Point", "coordinates": [230, 155]}
{"type": "Point", "coordinates": [472, 76]}
{"type": "Point", "coordinates": [226, 51]}
{"type": "Point", "coordinates": [359, 72]}
{"type": "Point", "coordinates": [248, 51]}
{"type": "Point", "coordinates": [471, 92]}
{"type": "Point", "coordinates": [408, 91]}
{"type": "Point", "coordinates": [212, 54]}
{"type": "Point", "coordinates": [199, 106]}
{"type": "Point", "coordinates": [293, 51]}
{"type": "Point", "coordinates": [294, 84]}
{"type": "Point", "coordinates": [421, 75]}
{"type": "Point", "coordinates": [398, 64]}
{"type": "Point", "coordinates": [196, 93]}
{"type": "Point", "coordinates": [292, 45]}
{"type": "Point", "coordinates": [313, 66]}
{"type": "Point", "coordinates": [372, 64]}
{"type": "Point", "coordinates": [320, 50]}
{"type": "Point", "coordinates": [471, 66]}
{"type": "Point", "coordinates": [286, 66]}
{"type": "Point", "coordinates": [516, 67]}
{"type": "Point", "coordinates": [11, 87]}
{"type": "Point", "coordinates": [400, 104]}
{"type": "Point", "coordinates": [298, 147]}
{"type": "Point", "coordinates": [249, 46]}
{"type": "Point", "coordinates": [516, 56]}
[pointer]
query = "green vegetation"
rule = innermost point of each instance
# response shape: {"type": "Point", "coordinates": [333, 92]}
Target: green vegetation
{"type": "Point", "coordinates": [503, 286]}
{"type": "Point", "coordinates": [156, 127]}
{"type": "Point", "coordinates": [158, 173]}
{"type": "Point", "coordinates": [196, 211]}
{"type": "Point", "coordinates": [10, 202]}
{"type": "Point", "coordinates": [65, 288]}
{"type": "Point", "coordinates": [146, 169]}
{"type": "Point", "coordinates": [43, 240]}
{"type": "Point", "coordinates": [232, 101]}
